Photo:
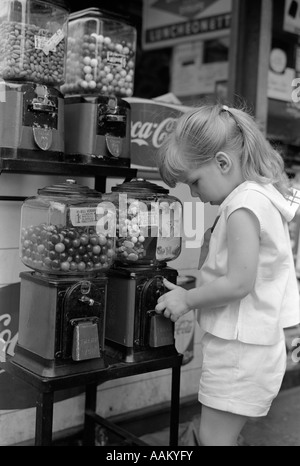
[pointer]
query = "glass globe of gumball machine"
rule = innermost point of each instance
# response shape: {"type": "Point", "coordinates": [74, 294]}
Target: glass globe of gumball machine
{"type": "Point", "coordinates": [99, 75]}
{"type": "Point", "coordinates": [32, 68]}
{"type": "Point", "coordinates": [149, 223]}
{"type": "Point", "coordinates": [68, 240]}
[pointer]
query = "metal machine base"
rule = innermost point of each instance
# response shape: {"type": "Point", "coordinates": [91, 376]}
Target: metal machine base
{"type": "Point", "coordinates": [31, 154]}
{"type": "Point", "coordinates": [55, 368]}
{"type": "Point", "coordinates": [122, 353]}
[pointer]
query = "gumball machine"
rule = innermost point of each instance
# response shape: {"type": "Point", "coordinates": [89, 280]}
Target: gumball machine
{"type": "Point", "coordinates": [67, 240]}
{"type": "Point", "coordinates": [32, 69]}
{"type": "Point", "coordinates": [149, 223]}
{"type": "Point", "coordinates": [100, 73]}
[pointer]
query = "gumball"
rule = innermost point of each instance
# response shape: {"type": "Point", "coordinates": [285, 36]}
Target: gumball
{"type": "Point", "coordinates": [65, 266]}
{"type": "Point", "coordinates": [110, 253]}
{"type": "Point", "coordinates": [50, 246]}
{"type": "Point", "coordinates": [55, 239]}
{"type": "Point", "coordinates": [87, 69]}
{"type": "Point", "coordinates": [60, 247]}
{"type": "Point", "coordinates": [83, 84]}
{"type": "Point", "coordinates": [103, 258]}
{"type": "Point", "coordinates": [89, 247]}
{"type": "Point", "coordinates": [73, 266]}
{"type": "Point", "coordinates": [107, 40]}
{"type": "Point", "coordinates": [41, 248]}
{"type": "Point", "coordinates": [95, 258]}
{"type": "Point", "coordinates": [119, 48]}
{"type": "Point", "coordinates": [76, 243]}
{"type": "Point", "coordinates": [87, 60]}
{"type": "Point", "coordinates": [63, 257]}
{"type": "Point", "coordinates": [102, 240]}
{"type": "Point", "coordinates": [67, 242]}
{"type": "Point", "coordinates": [97, 249]}
{"type": "Point", "coordinates": [81, 266]}
{"type": "Point", "coordinates": [94, 240]}
{"type": "Point", "coordinates": [47, 262]}
{"type": "Point", "coordinates": [55, 264]}
{"type": "Point", "coordinates": [88, 77]}
{"type": "Point", "coordinates": [85, 258]}
{"type": "Point", "coordinates": [71, 234]}
{"type": "Point", "coordinates": [81, 249]}
{"type": "Point", "coordinates": [90, 265]}
{"type": "Point", "coordinates": [84, 239]}
{"type": "Point", "coordinates": [77, 258]}
{"type": "Point", "coordinates": [27, 244]}
{"type": "Point", "coordinates": [53, 255]}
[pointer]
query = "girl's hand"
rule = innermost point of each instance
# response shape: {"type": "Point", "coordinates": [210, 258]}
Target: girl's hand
{"type": "Point", "coordinates": [174, 303]}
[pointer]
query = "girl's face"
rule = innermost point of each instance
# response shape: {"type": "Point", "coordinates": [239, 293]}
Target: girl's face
{"type": "Point", "coordinates": [208, 183]}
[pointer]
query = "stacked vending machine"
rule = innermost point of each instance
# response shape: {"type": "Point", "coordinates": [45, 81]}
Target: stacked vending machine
{"type": "Point", "coordinates": [100, 73]}
{"type": "Point", "coordinates": [32, 69]}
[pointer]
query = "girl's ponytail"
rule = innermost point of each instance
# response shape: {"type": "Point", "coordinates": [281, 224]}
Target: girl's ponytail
{"type": "Point", "coordinates": [260, 162]}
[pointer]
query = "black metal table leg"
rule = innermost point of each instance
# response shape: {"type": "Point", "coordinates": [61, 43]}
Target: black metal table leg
{"type": "Point", "coordinates": [175, 402]}
{"type": "Point", "coordinates": [46, 387]}
{"type": "Point", "coordinates": [44, 419]}
{"type": "Point", "coordinates": [89, 422]}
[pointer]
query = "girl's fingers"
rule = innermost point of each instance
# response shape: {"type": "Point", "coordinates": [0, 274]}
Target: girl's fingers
{"type": "Point", "coordinates": [167, 314]}
{"type": "Point", "coordinates": [169, 285]}
{"type": "Point", "coordinates": [161, 299]}
{"type": "Point", "coordinates": [160, 307]}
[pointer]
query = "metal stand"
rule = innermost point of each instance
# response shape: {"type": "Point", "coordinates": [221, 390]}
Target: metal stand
{"type": "Point", "coordinates": [46, 387]}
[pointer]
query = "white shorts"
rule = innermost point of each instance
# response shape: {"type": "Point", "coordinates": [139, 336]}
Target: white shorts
{"type": "Point", "coordinates": [241, 378]}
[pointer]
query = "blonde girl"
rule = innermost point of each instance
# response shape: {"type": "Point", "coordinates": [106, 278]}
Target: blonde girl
{"type": "Point", "coordinates": [247, 292]}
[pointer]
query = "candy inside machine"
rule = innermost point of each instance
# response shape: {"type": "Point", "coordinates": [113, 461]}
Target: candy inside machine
{"type": "Point", "coordinates": [148, 236]}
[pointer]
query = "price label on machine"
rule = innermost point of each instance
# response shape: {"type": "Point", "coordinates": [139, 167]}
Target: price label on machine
{"type": "Point", "coordinates": [81, 217]}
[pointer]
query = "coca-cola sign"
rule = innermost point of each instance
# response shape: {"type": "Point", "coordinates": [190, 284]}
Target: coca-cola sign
{"type": "Point", "coordinates": [151, 121]}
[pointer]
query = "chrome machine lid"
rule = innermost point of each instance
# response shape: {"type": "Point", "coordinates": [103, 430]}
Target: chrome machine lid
{"type": "Point", "coordinates": [140, 187]}
{"type": "Point", "coordinates": [60, 3]}
{"type": "Point", "coordinates": [69, 188]}
{"type": "Point", "coordinates": [100, 13]}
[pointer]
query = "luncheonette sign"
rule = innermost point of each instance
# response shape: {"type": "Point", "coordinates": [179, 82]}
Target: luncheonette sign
{"type": "Point", "coordinates": [169, 22]}
{"type": "Point", "coordinates": [150, 122]}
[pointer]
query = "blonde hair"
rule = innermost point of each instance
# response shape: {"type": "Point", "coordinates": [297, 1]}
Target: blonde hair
{"type": "Point", "coordinates": [201, 133]}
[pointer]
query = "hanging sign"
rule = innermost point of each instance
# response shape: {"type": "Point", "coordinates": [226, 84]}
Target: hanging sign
{"type": "Point", "coordinates": [280, 76]}
{"type": "Point", "coordinates": [192, 77]}
{"type": "Point", "coordinates": [169, 22]}
{"type": "Point", "coordinates": [292, 16]}
{"type": "Point", "coordinates": [151, 121]}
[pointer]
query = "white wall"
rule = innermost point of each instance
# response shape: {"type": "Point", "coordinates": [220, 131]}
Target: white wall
{"type": "Point", "coordinates": [114, 397]}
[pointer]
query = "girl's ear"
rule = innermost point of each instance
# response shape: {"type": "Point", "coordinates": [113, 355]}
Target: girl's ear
{"type": "Point", "coordinates": [223, 161]}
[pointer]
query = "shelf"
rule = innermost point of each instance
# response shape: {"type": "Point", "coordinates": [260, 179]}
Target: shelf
{"type": "Point", "coordinates": [111, 370]}
{"type": "Point", "coordinates": [42, 167]}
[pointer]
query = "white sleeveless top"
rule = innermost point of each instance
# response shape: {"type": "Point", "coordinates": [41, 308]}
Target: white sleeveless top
{"type": "Point", "coordinates": [273, 304]}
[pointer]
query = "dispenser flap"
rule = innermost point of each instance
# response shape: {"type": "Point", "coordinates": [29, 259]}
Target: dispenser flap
{"type": "Point", "coordinates": [42, 137]}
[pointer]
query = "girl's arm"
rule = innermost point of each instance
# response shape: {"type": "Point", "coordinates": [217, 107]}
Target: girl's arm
{"type": "Point", "coordinates": [243, 237]}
